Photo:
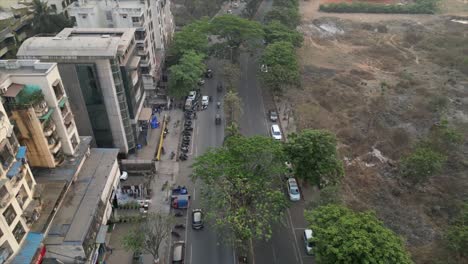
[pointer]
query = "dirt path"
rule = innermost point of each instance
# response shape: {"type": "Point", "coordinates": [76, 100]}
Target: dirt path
{"type": "Point", "coordinates": [309, 10]}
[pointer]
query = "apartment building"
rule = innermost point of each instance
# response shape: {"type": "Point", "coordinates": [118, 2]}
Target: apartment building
{"type": "Point", "coordinates": [152, 21]}
{"type": "Point", "coordinates": [16, 190]}
{"type": "Point", "coordinates": [15, 26]}
{"type": "Point", "coordinates": [35, 99]}
{"type": "Point", "coordinates": [101, 74]}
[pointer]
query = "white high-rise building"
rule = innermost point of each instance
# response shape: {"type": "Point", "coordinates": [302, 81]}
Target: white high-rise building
{"type": "Point", "coordinates": [152, 20]}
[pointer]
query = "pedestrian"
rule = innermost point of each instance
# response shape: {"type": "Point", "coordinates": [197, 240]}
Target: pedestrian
{"type": "Point", "coordinates": [195, 115]}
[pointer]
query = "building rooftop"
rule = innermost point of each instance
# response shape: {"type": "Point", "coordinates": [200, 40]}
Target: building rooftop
{"type": "Point", "coordinates": [71, 43]}
{"type": "Point", "coordinates": [24, 67]}
{"type": "Point", "coordinates": [74, 217]}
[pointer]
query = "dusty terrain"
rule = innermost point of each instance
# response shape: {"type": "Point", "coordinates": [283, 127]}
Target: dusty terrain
{"type": "Point", "coordinates": [380, 82]}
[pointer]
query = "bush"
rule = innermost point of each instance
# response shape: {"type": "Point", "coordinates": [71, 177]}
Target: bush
{"type": "Point", "coordinates": [457, 234]}
{"type": "Point", "coordinates": [422, 163]}
{"type": "Point", "coordinates": [419, 7]}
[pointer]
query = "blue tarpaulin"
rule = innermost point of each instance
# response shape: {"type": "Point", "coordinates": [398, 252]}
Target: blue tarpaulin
{"type": "Point", "coordinates": [21, 153]}
{"type": "Point", "coordinates": [28, 249]}
{"type": "Point", "coordinates": [15, 169]}
{"type": "Point", "coordinates": [154, 122]}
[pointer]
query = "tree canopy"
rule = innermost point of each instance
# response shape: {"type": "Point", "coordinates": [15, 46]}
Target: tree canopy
{"type": "Point", "coordinates": [457, 234]}
{"type": "Point", "coordinates": [232, 107]}
{"type": "Point", "coordinates": [313, 154]}
{"type": "Point", "coordinates": [343, 236]}
{"type": "Point", "coordinates": [242, 188]}
{"type": "Point", "coordinates": [193, 37]}
{"type": "Point", "coordinates": [288, 16]}
{"type": "Point", "coordinates": [236, 30]}
{"type": "Point", "coordinates": [46, 22]}
{"type": "Point", "coordinates": [185, 75]}
{"type": "Point", "coordinates": [276, 31]}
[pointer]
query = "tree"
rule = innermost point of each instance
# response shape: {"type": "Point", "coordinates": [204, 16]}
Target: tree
{"type": "Point", "coordinates": [287, 16]}
{"type": "Point", "coordinates": [236, 30]}
{"type": "Point", "coordinates": [344, 236]}
{"type": "Point", "coordinates": [283, 68]}
{"type": "Point", "coordinates": [457, 234]}
{"type": "Point", "coordinates": [46, 22]}
{"type": "Point", "coordinates": [232, 107]}
{"type": "Point", "coordinates": [185, 75]}
{"type": "Point", "coordinates": [241, 187]}
{"type": "Point", "coordinates": [275, 31]}
{"type": "Point", "coordinates": [192, 37]}
{"type": "Point", "coordinates": [422, 163]}
{"type": "Point", "coordinates": [231, 74]}
{"type": "Point", "coordinates": [149, 235]}
{"type": "Point", "coordinates": [313, 153]}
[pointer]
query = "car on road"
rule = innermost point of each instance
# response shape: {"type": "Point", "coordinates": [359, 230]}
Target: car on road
{"type": "Point", "coordinates": [218, 119]}
{"type": "Point", "coordinates": [197, 219]}
{"type": "Point", "coordinates": [273, 115]}
{"type": "Point", "coordinates": [201, 82]}
{"type": "Point", "coordinates": [276, 132]}
{"type": "Point", "coordinates": [293, 190]}
{"type": "Point", "coordinates": [309, 245]}
{"type": "Point", "coordinates": [209, 74]}
{"type": "Point", "coordinates": [205, 101]}
{"type": "Point", "coordinates": [178, 252]}
{"type": "Point", "coordinates": [192, 95]}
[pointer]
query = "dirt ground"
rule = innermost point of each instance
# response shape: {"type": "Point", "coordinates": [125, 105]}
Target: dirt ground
{"type": "Point", "coordinates": [380, 82]}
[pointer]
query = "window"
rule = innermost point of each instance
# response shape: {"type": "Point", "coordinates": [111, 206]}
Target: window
{"type": "Point", "coordinates": [22, 196]}
{"type": "Point", "coordinates": [58, 90]}
{"type": "Point", "coordinates": [9, 214]}
{"type": "Point", "coordinates": [124, 15]}
{"type": "Point", "coordinates": [6, 155]}
{"type": "Point", "coordinates": [135, 19]}
{"type": "Point", "coordinates": [19, 232]}
{"type": "Point", "coordinates": [53, 7]}
{"type": "Point", "coordinates": [5, 252]}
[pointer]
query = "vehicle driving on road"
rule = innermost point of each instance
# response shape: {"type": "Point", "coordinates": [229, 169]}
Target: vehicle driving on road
{"type": "Point", "coordinates": [293, 190]}
{"type": "Point", "coordinates": [205, 101]}
{"type": "Point", "coordinates": [309, 245]}
{"type": "Point", "coordinates": [197, 219]}
{"type": "Point", "coordinates": [276, 132]}
{"type": "Point", "coordinates": [273, 115]}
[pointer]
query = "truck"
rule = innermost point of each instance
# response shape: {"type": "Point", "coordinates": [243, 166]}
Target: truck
{"type": "Point", "coordinates": [180, 198]}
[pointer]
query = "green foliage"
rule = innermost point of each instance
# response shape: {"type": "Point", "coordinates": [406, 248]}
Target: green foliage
{"type": "Point", "coordinates": [275, 31]}
{"type": "Point", "coordinates": [185, 75]}
{"type": "Point", "coordinates": [287, 16]}
{"type": "Point", "coordinates": [422, 163]}
{"type": "Point", "coordinates": [457, 234]}
{"type": "Point", "coordinates": [236, 30]}
{"type": "Point", "coordinates": [232, 107]}
{"type": "Point", "coordinates": [418, 7]}
{"type": "Point", "coordinates": [192, 37]}
{"type": "Point", "coordinates": [149, 235]}
{"type": "Point", "coordinates": [328, 195]}
{"type": "Point", "coordinates": [46, 22]}
{"type": "Point", "coordinates": [313, 153]}
{"type": "Point", "coordinates": [287, 3]}
{"type": "Point", "coordinates": [241, 187]}
{"type": "Point", "coordinates": [251, 7]}
{"type": "Point", "coordinates": [445, 139]}
{"type": "Point", "coordinates": [283, 68]}
{"type": "Point", "coordinates": [344, 236]}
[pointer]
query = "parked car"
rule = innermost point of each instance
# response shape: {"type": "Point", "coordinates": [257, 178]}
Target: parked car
{"type": "Point", "coordinates": [218, 119]}
{"type": "Point", "coordinates": [197, 219]}
{"type": "Point", "coordinates": [192, 95]}
{"type": "Point", "coordinates": [178, 252]}
{"type": "Point", "coordinates": [205, 101]}
{"type": "Point", "coordinates": [293, 190]}
{"type": "Point", "coordinates": [309, 245]}
{"type": "Point", "coordinates": [273, 115]}
{"type": "Point", "coordinates": [276, 132]}
{"type": "Point", "coordinates": [124, 176]}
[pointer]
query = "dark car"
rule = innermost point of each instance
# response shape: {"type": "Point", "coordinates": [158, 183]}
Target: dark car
{"type": "Point", "coordinates": [209, 74]}
{"type": "Point", "coordinates": [273, 115]}
{"type": "Point", "coordinates": [197, 219]}
{"type": "Point", "coordinates": [218, 119]}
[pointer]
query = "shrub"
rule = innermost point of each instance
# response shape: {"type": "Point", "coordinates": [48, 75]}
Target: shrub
{"type": "Point", "coordinates": [422, 163]}
{"type": "Point", "coordinates": [419, 7]}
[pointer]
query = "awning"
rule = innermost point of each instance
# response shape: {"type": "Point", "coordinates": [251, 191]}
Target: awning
{"type": "Point", "coordinates": [101, 236]}
{"type": "Point", "coordinates": [47, 116]}
{"type": "Point", "coordinates": [27, 251]}
{"type": "Point", "coordinates": [63, 101]}
{"type": "Point", "coordinates": [13, 90]}
{"type": "Point", "coordinates": [145, 114]}
{"type": "Point", "coordinates": [14, 170]}
{"type": "Point", "coordinates": [21, 152]}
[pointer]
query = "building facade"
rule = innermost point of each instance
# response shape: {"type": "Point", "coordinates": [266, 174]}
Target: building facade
{"type": "Point", "coordinates": [15, 26]}
{"type": "Point", "coordinates": [16, 190]}
{"type": "Point", "coordinates": [101, 73]}
{"type": "Point", "coordinates": [36, 102]}
{"type": "Point", "coordinates": [151, 19]}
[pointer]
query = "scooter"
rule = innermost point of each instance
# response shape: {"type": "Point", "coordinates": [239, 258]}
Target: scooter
{"type": "Point", "coordinates": [180, 226]}
{"type": "Point", "coordinates": [183, 157]}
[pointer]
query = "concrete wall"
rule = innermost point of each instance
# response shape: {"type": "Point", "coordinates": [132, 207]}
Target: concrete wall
{"type": "Point", "coordinates": [106, 80]}
{"type": "Point", "coordinates": [66, 253]}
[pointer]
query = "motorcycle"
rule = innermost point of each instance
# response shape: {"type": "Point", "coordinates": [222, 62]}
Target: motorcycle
{"type": "Point", "coordinates": [218, 105]}
{"type": "Point", "coordinates": [188, 128]}
{"type": "Point", "coordinates": [184, 149]}
{"type": "Point", "coordinates": [174, 233]}
{"type": "Point", "coordinates": [183, 157]}
{"type": "Point", "coordinates": [180, 226]}
{"type": "Point", "coordinates": [172, 155]}
{"type": "Point", "coordinates": [178, 214]}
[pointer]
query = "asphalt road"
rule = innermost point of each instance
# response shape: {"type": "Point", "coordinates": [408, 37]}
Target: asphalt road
{"type": "Point", "coordinates": [204, 246]}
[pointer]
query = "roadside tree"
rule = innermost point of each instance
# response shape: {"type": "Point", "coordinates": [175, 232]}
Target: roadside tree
{"type": "Point", "coordinates": [313, 153]}
{"type": "Point", "coordinates": [231, 74]}
{"type": "Point", "coordinates": [457, 235]}
{"type": "Point", "coordinates": [422, 163]}
{"type": "Point", "coordinates": [241, 187]}
{"type": "Point", "coordinates": [232, 107]}
{"type": "Point", "coordinates": [275, 31]}
{"type": "Point", "coordinates": [288, 16]}
{"type": "Point", "coordinates": [342, 236]}
{"type": "Point", "coordinates": [185, 75]}
{"type": "Point", "coordinates": [192, 37]}
{"type": "Point", "coordinates": [149, 235]}
{"type": "Point", "coordinates": [44, 21]}
{"type": "Point", "coordinates": [282, 66]}
{"type": "Point", "coordinates": [236, 30]}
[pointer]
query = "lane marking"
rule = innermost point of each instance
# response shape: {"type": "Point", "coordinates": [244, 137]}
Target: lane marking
{"type": "Point", "coordinates": [191, 250]}
{"type": "Point", "coordinates": [274, 255]}
{"type": "Point", "coordinates": [296, 246]}
{"type": "Point", "coordinates": [194, 193]}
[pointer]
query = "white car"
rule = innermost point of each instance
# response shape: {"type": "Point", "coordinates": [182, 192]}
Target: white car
{"type": "Point", "coordinates": [309, 245]}
{"type": "Point", "coordinates": [276, 132]}
{"type": "Point", "coordinates": [124, 176]}
{"type": "Point", "coordinates": [192, 95]}
{"type": "Point", "coordinates": [293, 190]}
{"type": "Point", "coordinates": [205, 100]}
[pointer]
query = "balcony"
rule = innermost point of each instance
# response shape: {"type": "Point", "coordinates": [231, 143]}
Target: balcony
{"type": "Point", "coordinates": [54, 148]}
{"type": "Point", "coordinates": [65, 111]}
{"type": "Point", "coordinates": [70, 128]}
{"type": "Point", "coordinates": [49, 129]}
{"type": "Point", "coordinates": [41, 108]}
{"type": "Point", "coordinates": [5, 196]}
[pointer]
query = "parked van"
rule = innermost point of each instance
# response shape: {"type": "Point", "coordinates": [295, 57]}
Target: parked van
{"type": "Point", "coordinates": [178, 252]}
{"type": "Point", "coordinates": [188, 104]}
